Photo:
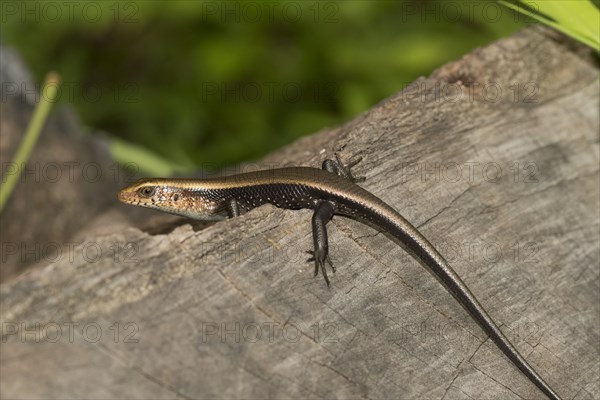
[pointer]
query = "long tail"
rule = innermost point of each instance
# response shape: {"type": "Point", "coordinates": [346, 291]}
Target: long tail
{"type": "Point", "coordinates": [419, 246]}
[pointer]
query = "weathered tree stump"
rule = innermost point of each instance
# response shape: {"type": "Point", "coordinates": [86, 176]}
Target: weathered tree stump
{"type": "Point", "coordinates": [494, 158]}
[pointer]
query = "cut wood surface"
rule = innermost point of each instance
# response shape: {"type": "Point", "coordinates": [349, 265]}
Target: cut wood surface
{"type": "Point", "coordinates": [493, 157]}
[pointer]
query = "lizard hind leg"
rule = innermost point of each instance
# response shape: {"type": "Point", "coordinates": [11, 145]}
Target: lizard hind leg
{"type": "Point", "coordinates": [337, 167]}
{"type": "Point", "coordinates": [320, 254]}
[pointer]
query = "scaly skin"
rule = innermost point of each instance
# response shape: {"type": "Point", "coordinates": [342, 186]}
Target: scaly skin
{"type": "Point", "coordinates": [327, 191]}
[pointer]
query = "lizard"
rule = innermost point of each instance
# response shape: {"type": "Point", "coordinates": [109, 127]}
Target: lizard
{"type": "Point", "coordinates": [329, 190]}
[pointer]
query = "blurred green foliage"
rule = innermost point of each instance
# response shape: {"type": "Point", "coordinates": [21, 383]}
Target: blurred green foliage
{"type": "Point", "coordinates": [213, 83]}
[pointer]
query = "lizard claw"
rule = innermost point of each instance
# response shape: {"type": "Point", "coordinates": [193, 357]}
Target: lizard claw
{"type": "Point", "coordinates": [344, 170]}
{"type": "Point", "coordinates": [321, 259]}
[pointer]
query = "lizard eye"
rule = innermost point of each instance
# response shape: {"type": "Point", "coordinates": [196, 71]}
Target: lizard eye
{"type": "Point", "coordinates": [147, 191]}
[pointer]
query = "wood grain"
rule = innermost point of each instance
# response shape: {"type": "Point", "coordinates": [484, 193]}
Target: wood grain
{"type": "Point", "coordinates": [506, 187]}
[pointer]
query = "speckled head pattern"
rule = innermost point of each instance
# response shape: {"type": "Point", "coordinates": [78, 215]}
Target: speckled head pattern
{"type": "Point", "coordinates": [175, 199]}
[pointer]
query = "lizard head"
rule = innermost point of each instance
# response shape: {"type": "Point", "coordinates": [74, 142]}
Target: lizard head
{"type": "Point", "coordinates": [171, 196]}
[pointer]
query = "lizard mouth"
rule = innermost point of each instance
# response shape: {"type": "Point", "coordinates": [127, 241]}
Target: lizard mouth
{"type": "Point", "coordinates": [125, 196]}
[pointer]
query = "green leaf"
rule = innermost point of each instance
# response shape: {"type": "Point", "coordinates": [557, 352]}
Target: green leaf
{"type": "Point", "coordinates": [578, 19]}
{"type": "Point", "coordinates": [145, 160]}
{"type": "Point", "coordinates": [47, 98]}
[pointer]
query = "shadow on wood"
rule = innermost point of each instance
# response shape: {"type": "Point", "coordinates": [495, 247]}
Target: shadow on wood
{"type": "Point", "coordinates": [494, 158]}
